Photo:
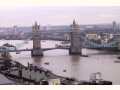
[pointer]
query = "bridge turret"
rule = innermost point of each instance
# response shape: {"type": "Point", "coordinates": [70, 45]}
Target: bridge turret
{"type": "Point", "coordinates": [75, 47]}
{"type": "Point", "coordinates": [74, 23]}
{"type": "Point", "coordinates": [75, 26]}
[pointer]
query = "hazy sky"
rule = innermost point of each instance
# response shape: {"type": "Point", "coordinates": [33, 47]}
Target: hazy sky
{"type": "Point", "coordinates": [26, 15]}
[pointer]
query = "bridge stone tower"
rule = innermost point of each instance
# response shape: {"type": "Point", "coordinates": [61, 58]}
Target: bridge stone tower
{"type": "Point", "coordinates": [75, 47]}
{"type": "Point", "coordinates": [37, 51]}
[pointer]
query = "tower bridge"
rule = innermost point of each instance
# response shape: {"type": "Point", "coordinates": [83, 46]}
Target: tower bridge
{"type": "Point", "coordinates": [75, 47]}
{"type": "Point", "coordinates": [78, 40]}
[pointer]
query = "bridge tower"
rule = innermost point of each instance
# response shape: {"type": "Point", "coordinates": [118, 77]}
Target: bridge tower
{"type": "Point", "coordinates": [75, 47]}
{"type": "Point", "coordinates": [37, 51]}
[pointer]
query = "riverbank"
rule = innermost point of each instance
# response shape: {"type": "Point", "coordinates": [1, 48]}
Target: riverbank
{"type": "Point", "coordinates": [33, 75]}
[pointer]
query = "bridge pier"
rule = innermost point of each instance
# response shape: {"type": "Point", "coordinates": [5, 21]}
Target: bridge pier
{"type": "Point", "coordinates": [75, 48]}
{"type": "Point", "coordinates": [37, 51]}
{"type": "Point", "coordinates": [74, 52]}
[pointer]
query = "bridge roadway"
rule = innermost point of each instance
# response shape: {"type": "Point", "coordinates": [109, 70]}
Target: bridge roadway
{"type": "Point", "coordinates": [44, 49]}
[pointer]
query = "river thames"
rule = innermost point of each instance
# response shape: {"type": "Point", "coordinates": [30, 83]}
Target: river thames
{"type": "Point", "coordinates": [61, 63]}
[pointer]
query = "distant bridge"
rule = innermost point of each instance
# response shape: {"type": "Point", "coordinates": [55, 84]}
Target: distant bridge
{"type": "Point", "coordinates": [112, 44]}
{"type": "Point", "coordinates": [19, 50]}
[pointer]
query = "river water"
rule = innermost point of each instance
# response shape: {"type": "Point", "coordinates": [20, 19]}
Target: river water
{"type": "Point", "coordinates": [61, 63]}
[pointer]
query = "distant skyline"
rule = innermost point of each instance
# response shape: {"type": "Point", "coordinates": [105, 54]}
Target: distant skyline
{"type": "Point", "coordinates": [26, 16]}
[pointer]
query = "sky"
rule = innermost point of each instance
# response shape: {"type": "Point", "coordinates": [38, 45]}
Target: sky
{"type": "Point", "coordinates": [22, 13]}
